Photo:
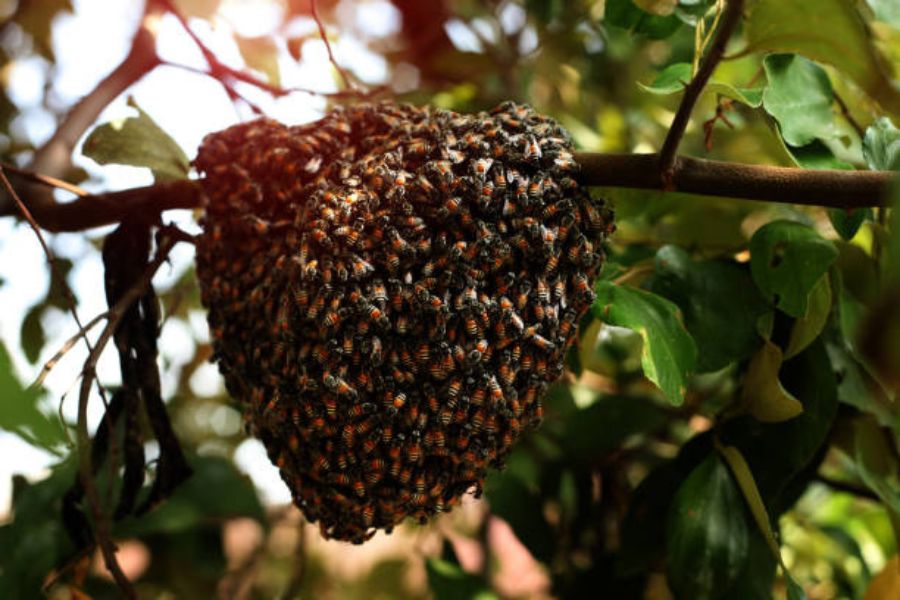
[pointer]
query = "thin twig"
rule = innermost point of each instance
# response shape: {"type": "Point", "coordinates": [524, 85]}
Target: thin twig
{"type": "Point", "coordinates": [315, 16]}
{"type": "Point", "coordinates": [845, 111]}
{"type": "Point", "coordinates": [729, 20]}
{"type": "Point", "coordinates": [50, 364]}
{"type": "Point", "coordinates": [44, 179]}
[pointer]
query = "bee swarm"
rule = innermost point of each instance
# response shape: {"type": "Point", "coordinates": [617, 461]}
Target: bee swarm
{"type": "Point", "coordinates": [390, 291]}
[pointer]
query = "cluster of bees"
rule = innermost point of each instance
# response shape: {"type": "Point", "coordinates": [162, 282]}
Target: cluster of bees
{"type": "Point", "coordinates": [390, 291]}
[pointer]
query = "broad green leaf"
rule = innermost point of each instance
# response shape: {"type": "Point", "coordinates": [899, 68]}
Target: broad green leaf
{"type": "Point", "coordinates": [763, 396]}
{"type": "Point", "coordinates": [713, 296]}
{"type": "Point", "coordinates": [604, 425]}
{"type": "Point", "coordinates": [675, 77]}
{"type": "Point", "coordinates": [881, 145]}
{"type": "Point", "coordinates": [780, 453]}
{"type": "Point", "coordinates": [215, 492]}
{"type": "Point", "coordinates": [848, 221]}
{"type": "Point", "coordinates": [833, 33]}
{"type": "Point", "coordinates": [787, 260]}
{"type": "Point", "coordinates": [799, 97]}
{"type": "Point", "coordinates": [19, 412]}
{"type": "Point", "coordinates": [522, 507]}
{"type": "Point", "coordinates": [448, 581]}
{"type": "Point", "coordinates": [261, 54]}
{"type": "Point", "coordinates": [626, 14]}
{"type": "Point", "coordinates": [707, 533]}
{"type": "Point", "coordinates": [856, 385]}
{"type": "Point", "coordinates": [808, 327]}
{"type": "Point", "coordinates": [35, 541]}
{"type": "Point", "coordinates": [669, 352]}
{"type": "Point", "coordinates": [139, 142]}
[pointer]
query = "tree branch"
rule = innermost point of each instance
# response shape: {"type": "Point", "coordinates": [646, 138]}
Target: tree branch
{"type": "Point", "coordinates": [785, 185]}
{"type": "Point", "coordinates": [667, 156]}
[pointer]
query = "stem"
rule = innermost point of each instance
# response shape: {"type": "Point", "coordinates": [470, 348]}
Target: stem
{"type": "Point", "coordinates": [692, 91]}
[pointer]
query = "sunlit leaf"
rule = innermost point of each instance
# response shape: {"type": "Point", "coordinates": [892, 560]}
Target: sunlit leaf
{"type": "Point", "coordinates": [139, 142]}
{"type": "Point", "coordinates": [833, 33]}
{"type": "Point", "coordinates": [799, 97]}
{"type": "Point", "coordinates": [669, 352]}
{"type": "Point", "coordinates": [889, 12]}
{"type": "Point", "coordinates": [787, 260]}
{"type": "Point", "coordinates": [707, 534]}
{"type": "Point", "coordinates": [763, 396]}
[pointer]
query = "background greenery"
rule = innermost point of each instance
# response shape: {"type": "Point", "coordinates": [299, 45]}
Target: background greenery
{"type": "Point", "coordinates": [728, 427]}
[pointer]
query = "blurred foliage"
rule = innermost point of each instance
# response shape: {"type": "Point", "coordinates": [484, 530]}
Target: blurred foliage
{"type": "Point", "coordinates": [729, 427]}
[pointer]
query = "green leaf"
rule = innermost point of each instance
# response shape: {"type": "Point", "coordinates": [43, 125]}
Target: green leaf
{"type": "Point", "coordinates": [35, 542]}
{"type": "Point", "coordinates": [604, 425]}
{"type": "Point", "coordinates": [215, 492]}
{"type": "Point", "coordinates": [19, 412]}
{"type": "Point", "coordinates": [139, 142]}
{"type": "Point", "coordinates": [714, 296]}
{"type": "Point", "coordinates": [848, 221]}
{"type": "Point", "coordinates": [794, 590]}
{"type": "Point", "coordinates": [449, 582]}
{"type": "Point", "coordinates": [816, 155]}
{"type": "Point", "coordinates": [625, 14]}
{"type": "Point", "coordinates": [544, 10]}
{"type": "Point", "coordinates": [786, 260]}
{"type": "Point", "coordinates": [799, 97]}
{"type": "Point", "coordinates": [881, 145]}
{"type": "Point", "coordinates": [808, 327]}
{"type": "Point", "coordinates": [669, 352]}
{"type": "Point", "coordinates": [673, 78]}
{"type": "Point", "coordinates": [834, 33]}
{"type": "Point", "coordinates": [707, 534]}
{"type": "Point", "coordinates": [763, 396]}
{"type": "Point", "coordinates": [261, 54]}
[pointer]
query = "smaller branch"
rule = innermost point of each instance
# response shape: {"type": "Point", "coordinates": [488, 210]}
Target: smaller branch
{"type": "Point", "coordinates": [46, 180]}
{"type": "Point", "coordinates": [729, 20]}
{"type": "Point", "coordinates": [341, 72]}
{"type": "Point", "coordinates": [48, 366]}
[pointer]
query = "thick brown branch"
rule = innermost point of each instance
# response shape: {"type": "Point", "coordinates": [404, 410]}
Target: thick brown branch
{"type": "Point", "coordinates": [667, 156]}
{"type": "Point", "coordinates": [786, 185]}
{"type": "Point", "coordinates": [831, 188]}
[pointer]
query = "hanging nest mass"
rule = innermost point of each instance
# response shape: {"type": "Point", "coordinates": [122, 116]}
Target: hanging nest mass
{"type": "Point", "coordinates": [390, 291]}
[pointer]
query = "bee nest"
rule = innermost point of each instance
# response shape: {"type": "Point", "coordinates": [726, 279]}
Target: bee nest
{"type": "Point", "coordinates": [390, 291]}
